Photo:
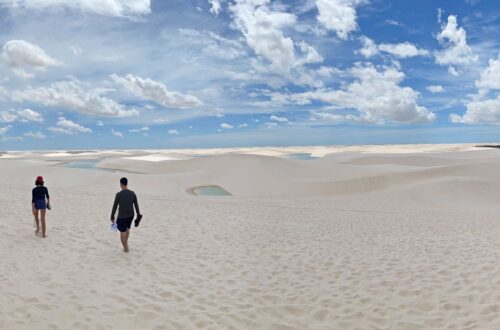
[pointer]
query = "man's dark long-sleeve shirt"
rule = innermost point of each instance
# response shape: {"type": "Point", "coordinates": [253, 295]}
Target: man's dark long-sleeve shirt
{"type": "Point", "coordinates": [125, 201]}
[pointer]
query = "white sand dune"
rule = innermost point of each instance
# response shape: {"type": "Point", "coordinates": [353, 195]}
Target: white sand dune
{"type": "Point", "coordinates": [395, 240]}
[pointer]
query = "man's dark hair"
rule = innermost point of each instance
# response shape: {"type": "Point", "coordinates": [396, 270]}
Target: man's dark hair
{"type": "Point", "coordinates": [124, 181]}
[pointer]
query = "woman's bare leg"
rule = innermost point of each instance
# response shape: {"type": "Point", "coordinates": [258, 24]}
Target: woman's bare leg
{"type": "Point", "coordinates": [43, 221]}
{"type": "Point", "coordinates": [37, 222]}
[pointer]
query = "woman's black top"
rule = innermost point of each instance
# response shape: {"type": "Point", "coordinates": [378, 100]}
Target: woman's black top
{"type": "Point", "coordinates": [39, 192]}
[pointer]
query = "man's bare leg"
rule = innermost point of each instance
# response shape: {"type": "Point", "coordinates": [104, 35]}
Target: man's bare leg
{"type": "Point", "coordinates": [124, 239]}
{"type": "Point", "coordinates": [43, 222]}
{"type": "Point", "coordinates": [37, 222]}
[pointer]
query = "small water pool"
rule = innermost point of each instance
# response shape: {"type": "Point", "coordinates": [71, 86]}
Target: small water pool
{"type": "Point", "coordinates": [87, 164]}
{"type": "Point", "coordinates": [211, 190]}
{"type": "Point", "coordinates": [302, 156]}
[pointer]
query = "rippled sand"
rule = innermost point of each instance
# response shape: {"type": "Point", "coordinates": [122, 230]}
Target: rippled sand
{"type": "Point", "coordinates": [348, 241]}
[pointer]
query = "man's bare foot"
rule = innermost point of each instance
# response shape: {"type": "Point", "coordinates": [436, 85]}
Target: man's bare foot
{"type": "Point", "coordinates": [37, 230]}
{"type": "Point", "coordinates": [125, 250]}
{"type": "Point", "coordinates": [44, 235]}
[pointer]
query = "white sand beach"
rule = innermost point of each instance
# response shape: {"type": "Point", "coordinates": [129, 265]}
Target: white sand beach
{"type": "Point", "coordinates": [356, 237]}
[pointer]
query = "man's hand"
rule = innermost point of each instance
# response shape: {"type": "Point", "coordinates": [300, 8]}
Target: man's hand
{"type": "Point", "coordinates": [112, 219]}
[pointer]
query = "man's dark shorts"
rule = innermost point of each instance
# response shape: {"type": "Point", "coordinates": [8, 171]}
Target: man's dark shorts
{"type": "Point", "coordinates": [124, 224]}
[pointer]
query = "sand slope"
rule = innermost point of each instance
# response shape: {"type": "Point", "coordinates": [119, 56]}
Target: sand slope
{"type": "Point", "coordinates": [357, 242]}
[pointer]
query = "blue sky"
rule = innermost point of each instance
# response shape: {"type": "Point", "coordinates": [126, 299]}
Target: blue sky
{"type": "Point", "coordinates": [219, 73]}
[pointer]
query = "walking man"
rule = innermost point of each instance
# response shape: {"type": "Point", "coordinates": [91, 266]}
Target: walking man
{"type": "Point", "coordinates": [125, 201]}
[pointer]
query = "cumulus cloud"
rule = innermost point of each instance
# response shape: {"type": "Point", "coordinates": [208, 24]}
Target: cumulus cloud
{"type": "Point", "coordinates": [73, 95]}
{"type": "Point", "coordinates": [480, 112]}
{"type": "Point", "coordinates": [490, 77]}
{"type": "Point", "coordinates": [173, 132]}
{"type": "Point", "coordinates": [215, 6]}
{"type": "Point", "coordinates": [66, 126]}
{"type": "Point", "coordinates": [262, 29]}
{"type": "Point", "coordinates": [403, 50]}
{"type": "Point", "coordinates": [278, 119]}
{"type": "Point", "coordinates": [35, 135]}
{"type": "Point", "coordinates": [369, 48]}
{"type": "Point", "coordinates": [377, 95]}
{"type": "Point", "coordinates": [26, 115]}
{"type": "Point", "coordinates": [434, 89]}
{"type": "Point", "coordinates": [484, 108]}
{"type": "Point", "coordinates": [25, 58]}
{"type": "Point", "coordinates": [454, 39]}
{"type": "Point", "coordinates": [114, 8]}
{"type": "Point", "coordinates": [400, 50]}
{"type": "Point", "coordinates": [226, 126]}
{"type": "Point", "coordinates": [117, 133]}
{"type": "Point", "coordinates": [156, 91]}
{"type": "Point", "coordinates": [338, 16]}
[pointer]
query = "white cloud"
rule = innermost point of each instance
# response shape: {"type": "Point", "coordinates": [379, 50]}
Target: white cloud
{"type": "Point", "coordinates": [369, 48]}
{"type": "Point", "coordinates": [156, 91]}
{"type": "Point", "coordinates": [35, 135]}
{"type": "Point", "coordinates": [278, 119]}
{"type": "Point", "coordinates": [140, 130]}
{"type": "Point", "coordinates": [100, 123]}
{"type": "Point", "coordinates": [8, 116]}
{"type": "Point", "coordinates": [173, 132]}
{"type": "Point", "coordinates": [72, 95]}
{"type": "Point", "coordinates": [26, 115]}
{"type": "Point", "coordinates": [452, 71]}
{"type": "Point", "coordinates": [226, 126]}
{"type": "Point", "coordinates": [117, 133]}
{"type": "Point", "coordinates": [482, 109]}
{"type": "Point", "coordinates": [376, 95]}
{"type": "Point", "coordinates": [215, 6]}
{"type": "Point", "coordinates": [66, 126]}
{"type": "Point", "coordinates": [271, 125]}
{"type": "Point", "coordinates": [115, 8]}
{"type": "Point", "coordinates": [243, 125]}
{"type": "Point", "coordinates": [338, 16]}
{"type": "Point", "coordinates": [480, 112]}
{"type": "Point", "coordinates": [330, 117]}
{"type": "Point", "coordinates": [440, 15]}
{"type": "Point", "coordinates": [490, 77]}
{"type": "Point", "coordinates": [326, 71]}
{"type": "Point", "coordinates": [400, 50]}
{"type": "Point", "coordinates": [311, 55]}
{"type": "Point", "coordinates": [5, 129]}
{"type": "Point", "coordinates": [454, 39]}
{"type": "Point", "coordinates": [25, 58]}
{"type": "Point", "coordinates": [262, 29]}
{"type": "Point", "coordinates": [403, 50]}
{"type": "Point", "coordinates": [434, 89]}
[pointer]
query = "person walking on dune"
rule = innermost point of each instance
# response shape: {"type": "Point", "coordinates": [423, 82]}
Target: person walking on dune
{"type": "Point", "coordinates": [125, 201]}
{"type": "Point", "coordinates": [40, 202]}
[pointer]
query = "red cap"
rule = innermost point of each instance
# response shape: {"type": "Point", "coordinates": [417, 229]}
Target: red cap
{"type": "Point", "coordinates": [39, 178]}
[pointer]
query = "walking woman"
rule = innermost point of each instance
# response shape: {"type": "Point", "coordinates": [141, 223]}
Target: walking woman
{"type": "Point", "coordinates": [40, 202]}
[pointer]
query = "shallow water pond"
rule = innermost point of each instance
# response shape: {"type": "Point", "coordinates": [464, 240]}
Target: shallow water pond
{"type": "Point", "coordinates": [210, 191]}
